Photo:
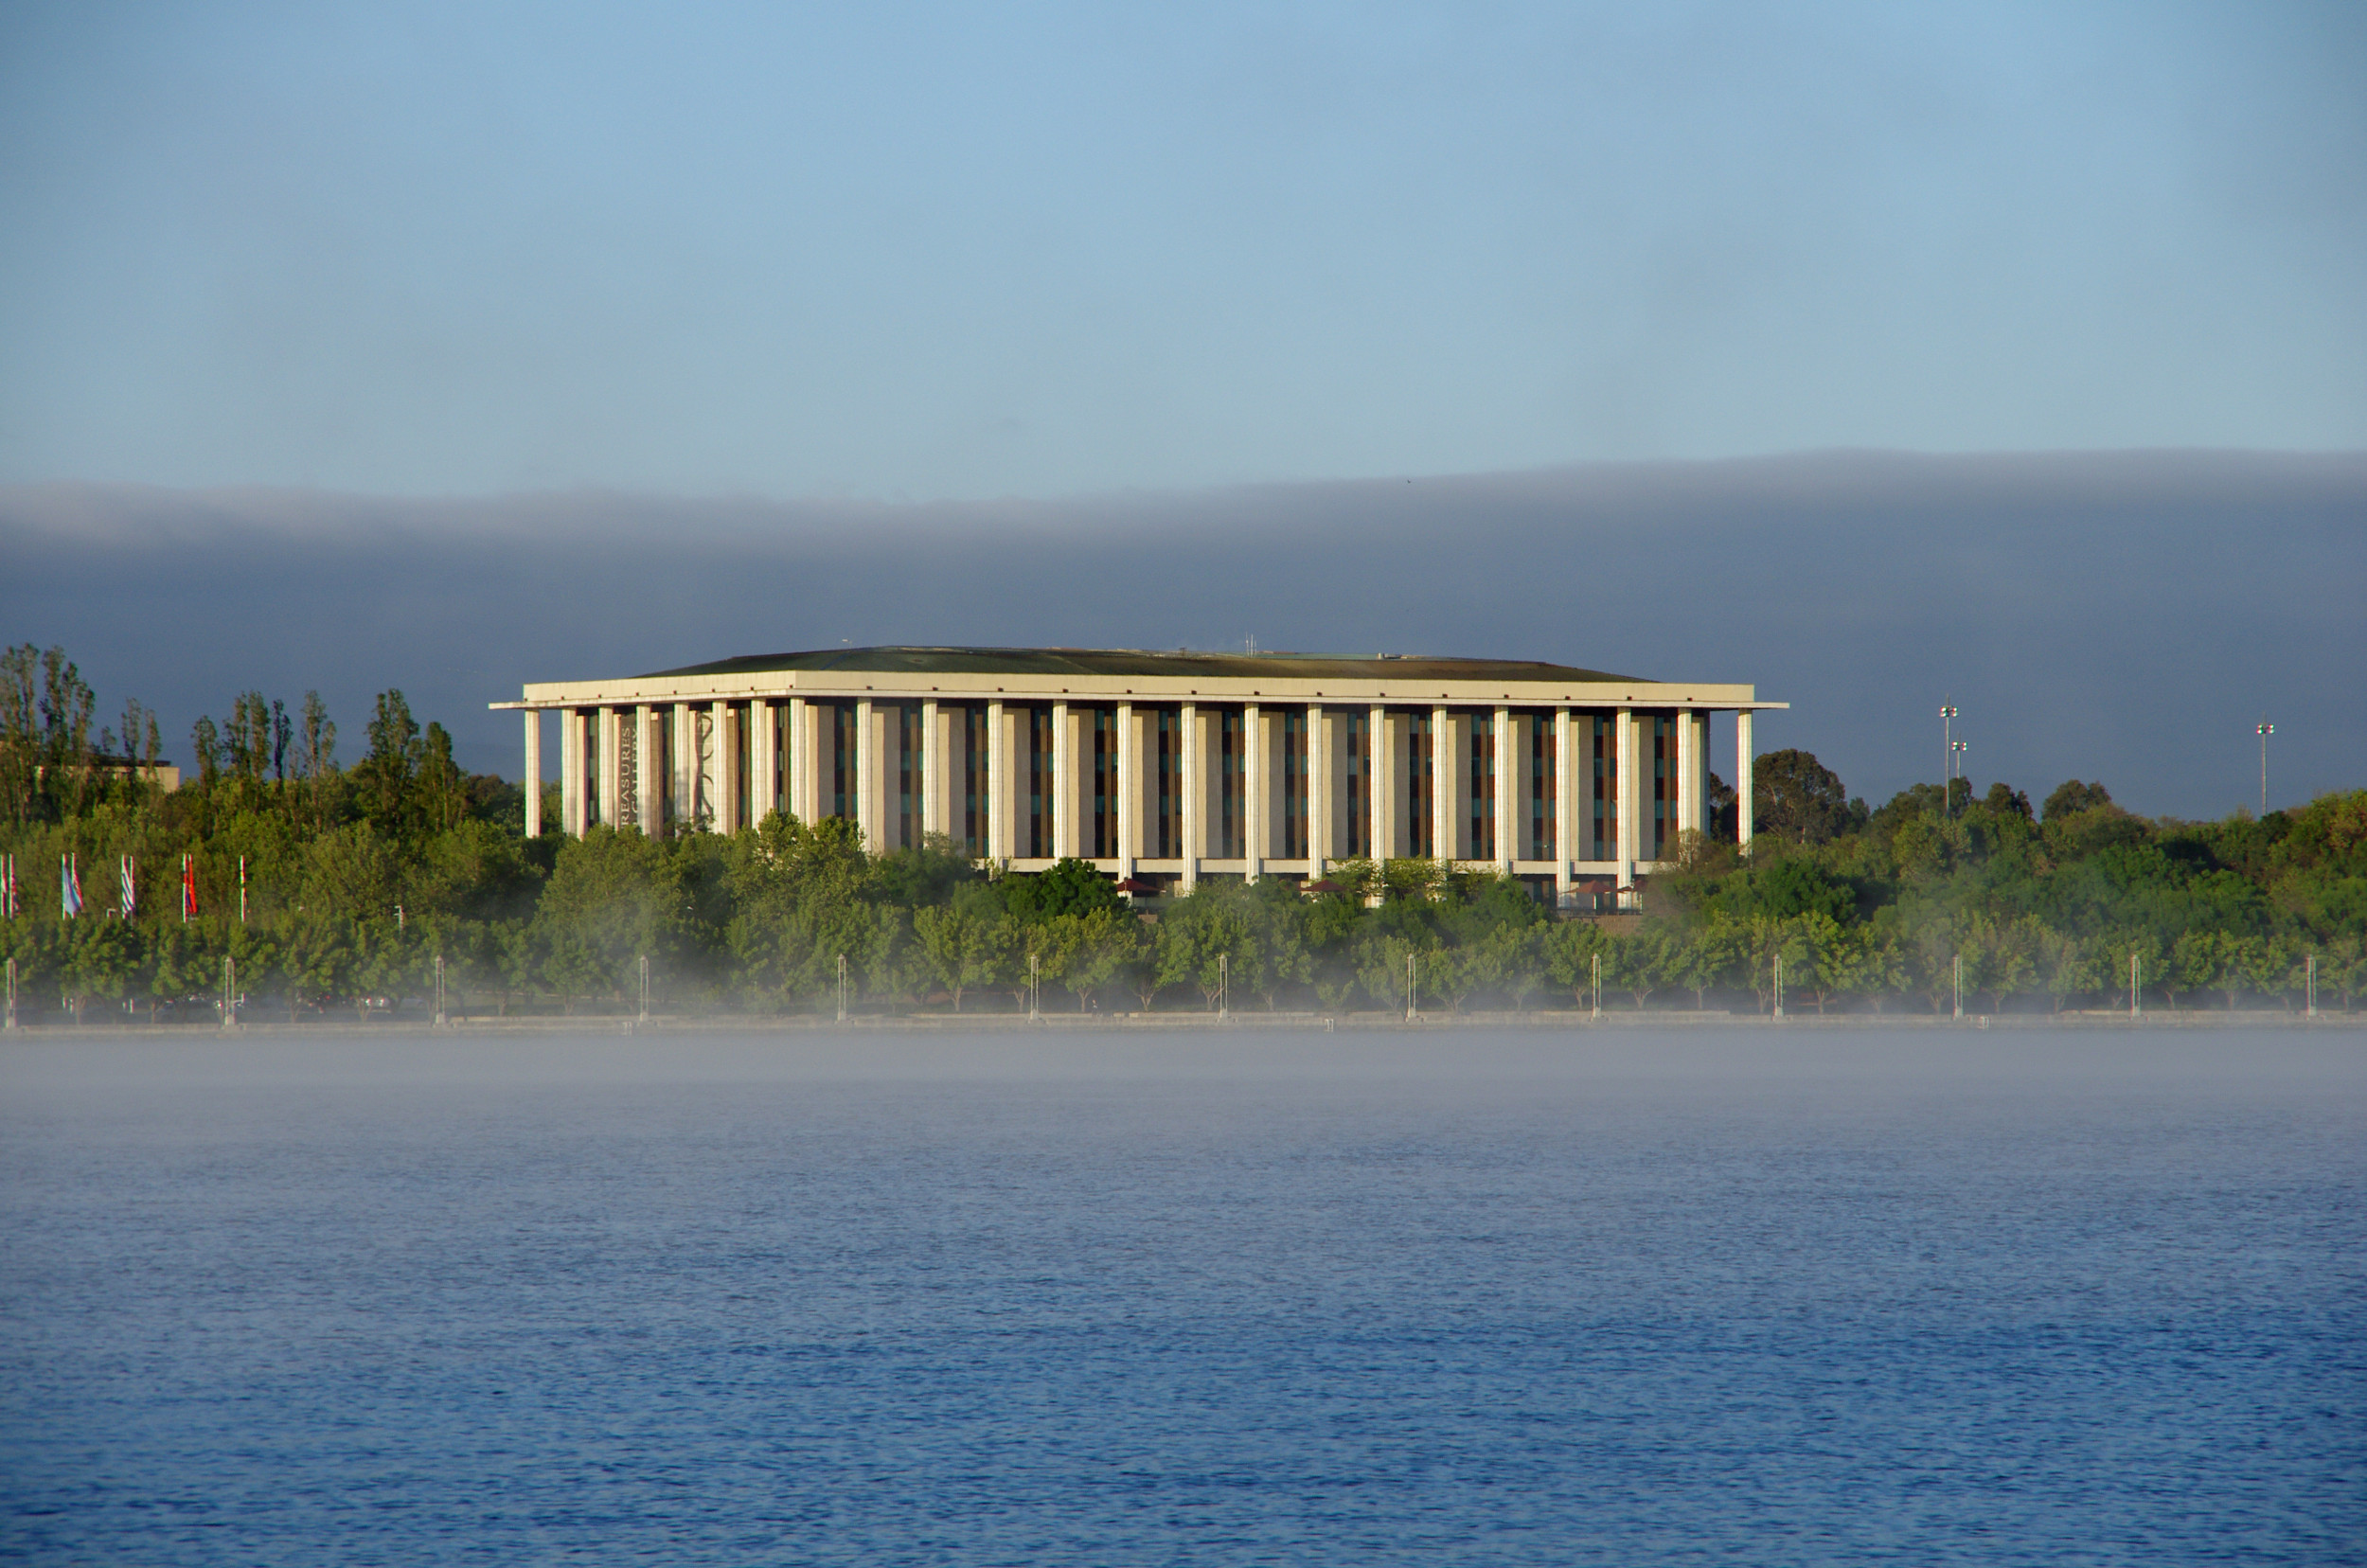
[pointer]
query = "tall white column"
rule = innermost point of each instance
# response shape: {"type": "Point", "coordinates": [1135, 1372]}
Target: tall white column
{"type": "Point", "coordinates": [684, 796]}
{"type": "Point", "coordinates": [1129, 787]}
{"type": "Point", "coordinates": [609, 751]}
{"type": "Point", "coordinates": [1321, 769]}
{"type": "Point", "coordinates": [868, 770]}
{"type": "Point", "coordinates": [1256, 789]}
{"type": "Point", "coordinates": [1512, 772]}
{"type": "Point", "coordinates": [1688, 773]}
{"type": "Point", "coordinates": [1064, 773]}
{"type": "Point", "coordinates": [934, 754]}
{"type": "Point", "coordinates": [532, 798]}
{"type": "Point", "coordinates": [1195, 737]}
{"type": "Point", "coordinates": [1566, 775]}
{"type": "Point", "coordinates": [1448, 778]}
{"type": "Point", "coordinates": [764, 781]}
{"type": "Point", "coordinates": [1628, 835]}
{"type": "Point", "coordinates": [571, 791]}
{"type": "Point", "coordinates": [1387, 787]}
{"type": "Point", "coordinates": [798, 759]}
{"type": "Point", "coordinates": [999, 783]}
{"type": "Point", "coordinates": [722, 773]}
{"type": "Point", "coordinates": [1743, 760]}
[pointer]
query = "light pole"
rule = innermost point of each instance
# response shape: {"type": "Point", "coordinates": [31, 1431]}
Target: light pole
{"type": "Point", "coordinates": [1957, 750]}
{"type": "Point", "coordinates": [1947, 754]}
{"type": "Point", "coordinates": [2265, 730]}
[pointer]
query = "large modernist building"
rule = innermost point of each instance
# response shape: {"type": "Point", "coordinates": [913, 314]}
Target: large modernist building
{"type": "Point", "coordinates": [1165, 767]}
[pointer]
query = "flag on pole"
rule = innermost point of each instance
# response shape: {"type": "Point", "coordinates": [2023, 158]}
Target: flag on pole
{"type": "Point", "coordinates": [131, 900]}
{"type": "Point", "coordinates": [69, 888]}
{"type": "Point", "coordinates": [188, 888]}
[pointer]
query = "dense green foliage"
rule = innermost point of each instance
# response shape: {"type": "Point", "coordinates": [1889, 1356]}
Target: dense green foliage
{"type": "Point", "coordinates": [358, 878]}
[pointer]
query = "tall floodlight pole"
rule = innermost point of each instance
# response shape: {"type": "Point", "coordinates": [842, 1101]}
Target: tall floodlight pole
{"type": "Point", "coordinates": [1957, 749]}
{"type": "Point", "coordinates": [1947, 757]}
{"type": "Point", "coordinates": [2265, 730]}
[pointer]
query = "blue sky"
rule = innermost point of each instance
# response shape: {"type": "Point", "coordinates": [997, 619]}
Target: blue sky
{"type": "Point", "coordinates": [913, 253]}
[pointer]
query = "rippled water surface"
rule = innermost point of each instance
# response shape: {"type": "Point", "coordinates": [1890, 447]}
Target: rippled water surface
{"type": "Point", "coordinates": [1919, 1299]}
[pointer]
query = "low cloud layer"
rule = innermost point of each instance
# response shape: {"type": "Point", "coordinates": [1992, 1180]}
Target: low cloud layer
{"type": "Point", "coordinates": [2124, 616]}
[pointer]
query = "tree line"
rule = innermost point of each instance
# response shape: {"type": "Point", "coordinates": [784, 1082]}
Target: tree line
{"type": "Point", "coordinates": [332, 885]}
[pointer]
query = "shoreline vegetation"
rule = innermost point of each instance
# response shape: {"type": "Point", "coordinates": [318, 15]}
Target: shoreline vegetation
{"type": "Point", "coordinates": [332, 895]}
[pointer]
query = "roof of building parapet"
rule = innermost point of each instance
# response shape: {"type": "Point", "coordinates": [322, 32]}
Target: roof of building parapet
{"type": "Point", "coordinates": [1137, 661]}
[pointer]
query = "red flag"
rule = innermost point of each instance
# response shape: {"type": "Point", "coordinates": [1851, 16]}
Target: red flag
{"type": "Point", "coordinates": [188, 888]}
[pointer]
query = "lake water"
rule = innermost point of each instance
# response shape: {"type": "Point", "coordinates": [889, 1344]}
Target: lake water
{"type": "Point", "coordinates": [1602, 1298]}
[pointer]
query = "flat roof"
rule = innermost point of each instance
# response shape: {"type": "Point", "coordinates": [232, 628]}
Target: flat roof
{"type": "Point", "coordinates": [1142, 661]}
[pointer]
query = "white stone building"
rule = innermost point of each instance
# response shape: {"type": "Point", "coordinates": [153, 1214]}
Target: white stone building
{"type": "Point", "coordinates": [1164, 767]}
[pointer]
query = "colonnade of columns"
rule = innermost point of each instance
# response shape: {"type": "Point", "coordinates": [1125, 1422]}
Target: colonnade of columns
{"type": "Point", "coordinates": [1181, 787]}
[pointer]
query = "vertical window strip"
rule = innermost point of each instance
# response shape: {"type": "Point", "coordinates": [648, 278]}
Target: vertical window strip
{"type": "Point", "coordinates": [1293, 783]}
{"type": "Point", "coordinates": [665, 770]}
{"type": "Point", "coordinates": [1544, 759]}
{"type": "Point", "coordinates": [1169, 832]}
{"type": "Point", "coordinates": [589, 781]}
{"type": "Point", "coordinates": [1417, 786]}
{"type": "Point", "coordinates": [1606, 786]}
{"type": "Point", "coordinates": [783, 752]}
{"type": "Point", "coordinates": [741, 744]}
{"type": "Point", "coordinates": [974, 741]}
{"type": "Point", "coordinates": [1358, 775]}
{"type": "Point", "coordinates": [1105, 736]}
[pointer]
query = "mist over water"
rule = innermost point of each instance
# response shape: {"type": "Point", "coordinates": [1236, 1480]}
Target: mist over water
{"type": "Point", "coordinates": [1805, 1297]}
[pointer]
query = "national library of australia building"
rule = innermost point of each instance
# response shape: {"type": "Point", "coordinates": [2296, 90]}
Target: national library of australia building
{"type": "Point", "coordinates": [1164, 768]}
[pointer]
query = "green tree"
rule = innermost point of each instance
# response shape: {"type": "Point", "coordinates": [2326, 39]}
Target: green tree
{"type": "Point", "coordinates": [1200, 936]}
{"type": "Point", "coordinates": [612, 898]}
{"type": "Point", "coordinates": [1569, 948]}
{"type": "Point", "coordinates": [1704, 956]}
{"type": "Point", "coordinates": [2071, 797]}
{"type": "Point", "coordinates": [1071, 886]}
{"type": "Point", "coordinates": [1090, 948]}
{"type": "Point", "coordinates": [1797, 799]}
{"type": "Point", "coordinates": [396, 754]}
{"type": "Point", "coordinates": [1637, 962]}
{"type": "Point", "coordinates": [968, 944]}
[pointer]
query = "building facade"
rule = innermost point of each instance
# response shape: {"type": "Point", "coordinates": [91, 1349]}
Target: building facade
{"type": "Point", "coordinates": [1165, 767]}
